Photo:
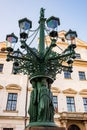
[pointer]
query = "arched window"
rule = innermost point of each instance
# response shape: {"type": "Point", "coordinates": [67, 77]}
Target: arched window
{"type": "Point", "coordinates": [73, 127]}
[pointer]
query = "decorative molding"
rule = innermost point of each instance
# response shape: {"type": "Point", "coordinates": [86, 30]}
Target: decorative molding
{"type": "Point", "coordinates": [3, 54]}
{"type": "Point", "coordinates": [55, 90]}
{"type": "Point", "coordinates": [80, 63]}
{"type": "Point", "coordinates": [69, 91]}
{"type": "Point", "coordinates": [83, 92]}
{"type": "Point", "coordinates": [1, 87]}
{"type": "Point", "coordinates": [13, 87]}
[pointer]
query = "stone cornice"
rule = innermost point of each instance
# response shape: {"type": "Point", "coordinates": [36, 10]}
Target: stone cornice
{"type": "Point", "coordinates": [69, 91]}
{"type": "Point", "coordinates": [3, 54]}
{"type": "Point", "coordinates": [55, 90]}
{"type": "Point", "coordinates": [1, 87]}
{"type": "Point", "coordinates": [83, 92]}
{"type": "Point", "coordinates": [80, 63]}
{"type": "Point", "coordinates": [13, 87]}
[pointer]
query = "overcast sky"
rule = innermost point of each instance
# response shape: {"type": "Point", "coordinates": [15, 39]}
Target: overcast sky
{"type": "Point", "coordinates": [72, 14]}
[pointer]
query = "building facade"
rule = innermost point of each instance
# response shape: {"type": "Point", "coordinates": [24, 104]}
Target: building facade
{"type": "Point", "coordinates": [69, 92]}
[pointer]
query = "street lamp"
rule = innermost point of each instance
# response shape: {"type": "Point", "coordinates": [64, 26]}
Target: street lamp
{"type": "Point", "coordinates": [41, 65]}
{"type": "Point", "coordinates": [24, 25]}
{"type": "Point", "coordinates": [52, 24]}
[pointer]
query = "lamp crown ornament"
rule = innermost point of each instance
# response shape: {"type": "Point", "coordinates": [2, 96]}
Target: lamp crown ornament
{"type": "Point", "coordinates": [42, 64]}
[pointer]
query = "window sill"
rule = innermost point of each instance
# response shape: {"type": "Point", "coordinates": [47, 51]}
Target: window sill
{"type": "Point", "coordinates": [9, 111]}
{"type": "Point", "coordinates": [68, 78]}
{"type": "Point", "coordinates": [82, 80]}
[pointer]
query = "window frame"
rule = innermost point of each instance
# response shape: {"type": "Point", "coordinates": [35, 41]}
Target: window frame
{"type": "Point", "coordinates": [11, 102]}
{"type": "Point", "coordinates": [67, 74]}
{"type": "Point", "coordinates": [55, 103]}
{"type": "Point", "coordinates": [70, 104]}
{"type": "Point", "coordinates": [82, 75]}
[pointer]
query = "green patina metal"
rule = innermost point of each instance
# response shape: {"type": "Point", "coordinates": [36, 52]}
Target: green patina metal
{"type": "Point", "coordinates": [41, 65]}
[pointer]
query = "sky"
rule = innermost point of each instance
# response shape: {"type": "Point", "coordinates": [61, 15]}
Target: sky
{"type": "Point", "coordinates": [72, 14]}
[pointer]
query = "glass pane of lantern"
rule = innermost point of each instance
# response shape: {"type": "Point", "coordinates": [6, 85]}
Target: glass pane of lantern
{"type": "Point", "coordinates": [52, 24]}
{"type": "Point", "coordinates": [25, 25]}
{"type": "Point", "coordinates": [12, 39]}
{"type": "Point", "coordinates": [70, 36]}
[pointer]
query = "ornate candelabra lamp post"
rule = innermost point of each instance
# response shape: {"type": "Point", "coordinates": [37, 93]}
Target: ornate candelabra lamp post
{"type": "Point", "coordinates": [41, 65]}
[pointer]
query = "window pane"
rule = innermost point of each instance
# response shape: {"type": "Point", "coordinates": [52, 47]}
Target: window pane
{"type": "Point", "coordinates": [85, 104]}
{"type": "Point", "coordinates": [8, 105]}
{"type": "Point", "coordinates": [78, 56]}
{"type": "Point", "coordinates": [10, 96]}
{"type": "Point", "coordinates": [14, 105]}
{"type": "Point", "coordinates": [1, 67]}
{"type": "Point", "coordinates": [15, 97]}
{"type": "Point", "coordinates": [72, 100]}
{"type": "Point", "coordinates": [55, 103]}
{"type": "Point", "coordinates": [68, 100]}
{"type": "Point", "coordinates": [73, 108]}
{"type": "Point", "coordinates": [54, 98]}
{"type": "Point", "coordinates": [69, 107]}
{"type": "Point", "coordinates": [85, 107]}
{"type": "Point", "coordinates": [85, 100]}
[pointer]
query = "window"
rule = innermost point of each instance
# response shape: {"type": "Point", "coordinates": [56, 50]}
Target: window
{"type": "Point", "coordinates": [7, 128]}
{"type": "Point", "coordinates": [11, 102]}
{"type": "Point", "coordinates": [67, 75]}
{"type": "Point", "coordinates": [85, 104]}
{"type": "Point", "coordinates": [82, 75]}
{"type": "Point", "coordinates": [1, 67]}
{"type": "Point", "coordinates": [70, 104]}
{"type": "Point", "coordinates": [55, 103]}
{"type": "Point", "coordinates": [78, 56]}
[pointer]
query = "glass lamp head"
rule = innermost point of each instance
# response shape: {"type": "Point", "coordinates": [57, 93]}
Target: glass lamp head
{"type": "Point", "coordinates": [24, 25]}
{"type": "Point", "coordinates": [53, 22]}
{"type": "Point", "coordinates": [71, 35]}
{"type": "Point", "coordinates": [10, 39]}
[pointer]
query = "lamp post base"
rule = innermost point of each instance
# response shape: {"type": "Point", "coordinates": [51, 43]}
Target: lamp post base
{"type": "Point", "coordinates": [44, 128]}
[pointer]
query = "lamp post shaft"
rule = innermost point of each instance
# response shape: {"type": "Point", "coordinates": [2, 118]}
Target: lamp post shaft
{"type": "Point", "coordinates": [42, 33]}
